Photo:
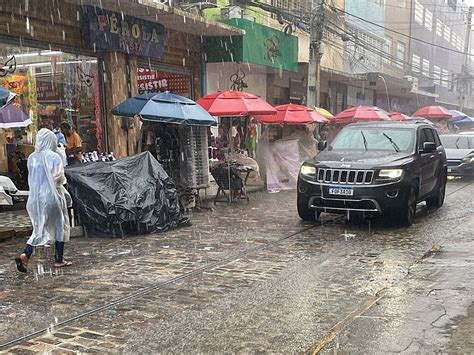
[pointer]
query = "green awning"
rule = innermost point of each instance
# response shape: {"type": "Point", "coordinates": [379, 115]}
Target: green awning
{"type": "Point", "coordinates": [260, 45]}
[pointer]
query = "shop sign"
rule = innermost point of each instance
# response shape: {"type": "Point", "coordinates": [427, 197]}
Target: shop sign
{"type": "Point", "coordinates": [159, 81]}
{"type": "Point", "coordinates": [261, 45]}
{"type": "Point", "coordinates": [108, 30]}
{"type": "Point", "coordinates": [47, 92]}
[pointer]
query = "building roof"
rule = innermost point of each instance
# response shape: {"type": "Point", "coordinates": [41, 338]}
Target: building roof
{"type": "Point", "coordinates": [170, 17]}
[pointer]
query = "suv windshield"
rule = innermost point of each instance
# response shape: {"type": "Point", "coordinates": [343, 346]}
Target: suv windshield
{"type": "Point", "coordinates": [375, 139]}
{"type": "Point", "coordinates": [457, 142]}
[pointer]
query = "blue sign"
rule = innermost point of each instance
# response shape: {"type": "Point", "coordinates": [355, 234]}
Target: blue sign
{"type": "Point", "coordinates": [108, 30]}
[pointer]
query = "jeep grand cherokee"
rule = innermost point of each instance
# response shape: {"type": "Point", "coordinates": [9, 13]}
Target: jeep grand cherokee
{"type": "Point", "coordinates": [381, 168]}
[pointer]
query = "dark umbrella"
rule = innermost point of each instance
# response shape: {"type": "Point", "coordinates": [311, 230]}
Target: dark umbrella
{"type": "Point", "coordinates": [165, 108]}
{"type": "Point", "coordinates": [12, 117]}
{"type": "Point", "coordinates": [457, 115]}
{"type": "Point", "coordinates": [5, 97]}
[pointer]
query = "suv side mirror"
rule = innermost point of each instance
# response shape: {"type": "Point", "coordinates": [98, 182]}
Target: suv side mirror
{"type": "Point", "coordinates": [322, 145]}
{"type": "Point", "coordinates": [428, 147]}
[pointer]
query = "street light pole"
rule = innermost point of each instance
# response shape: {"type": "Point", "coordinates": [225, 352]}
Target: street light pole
{"type": "Point", "coordinates": [386, 91]}
{"type": "Point", "coordinates": [316, 34]}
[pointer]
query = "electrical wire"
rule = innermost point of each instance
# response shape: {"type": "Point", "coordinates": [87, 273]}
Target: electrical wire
{"type": "Point", "coordinates": [403, 34]}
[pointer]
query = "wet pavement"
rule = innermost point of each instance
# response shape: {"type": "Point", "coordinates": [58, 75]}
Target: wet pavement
{"type": "Point", "coordinates": [253, 278]}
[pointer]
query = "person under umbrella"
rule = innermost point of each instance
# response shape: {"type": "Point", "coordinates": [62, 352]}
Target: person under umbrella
{"type": "Point", "coordinates": [47, 201]}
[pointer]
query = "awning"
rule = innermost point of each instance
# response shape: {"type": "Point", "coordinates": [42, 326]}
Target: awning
{"type": "Point", "coordinates": [170, 17]}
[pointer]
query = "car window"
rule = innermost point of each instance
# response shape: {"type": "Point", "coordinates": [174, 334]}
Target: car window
{"type": "Point", "coordinates": [457, 142]}
{"type": "Point", "coordinates": [437, 139]}
{"type": "Point", "coordinates": [423, 138]}
{"type": "Point", "coordinates": [374, 139]}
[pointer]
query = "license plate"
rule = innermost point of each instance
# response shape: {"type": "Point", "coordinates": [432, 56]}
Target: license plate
{"type": "Point", "coordinates": [341, 191]}
{"type": "Point", "coordinates": [449, 170]}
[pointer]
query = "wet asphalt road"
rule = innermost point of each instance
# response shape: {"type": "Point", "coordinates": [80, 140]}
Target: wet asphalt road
{"type": "Point", "coordinates": [256, 278]}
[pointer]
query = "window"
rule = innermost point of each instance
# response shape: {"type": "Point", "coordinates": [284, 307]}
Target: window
{"type": "Point", "coordinates": [402, 3]}
{"type": "Point", "coordinates": [426, 67]}
{"type": "Point", "coordinates": [437, 75]}
{"type": "Point", "coordinates": [447, 33]}
{"type": "Point", "coordinates": [444, 78]}
{"type": "Point", "coordinates": [415, 63]}
{"type": "Point", "coordinates": [387, 48]}
{"type": "Point", "coordinates": [426, 135]}
{"type": "Point", "coordinates": [418, 12]}
{"type": "Point", "coordinates": [439, 28]}
{"type": "Point", "coordinates": [400, 55]}
{"type": "Point", "coordinates": [454, 38]}
{"type": "Point", "coordinates": [428, 20]}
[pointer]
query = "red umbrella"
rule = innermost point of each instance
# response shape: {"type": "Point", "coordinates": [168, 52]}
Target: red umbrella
{"type": "Point", "coordinates": [398, 116]}
{"type": "Point", "coordinates": [235, 103]}
{"type": "Point", "coordinates": [293, 114]}
{"type": "Point", "coordinates": [361, 113]}
{"type": "Point", "coordinates": [433, 113]}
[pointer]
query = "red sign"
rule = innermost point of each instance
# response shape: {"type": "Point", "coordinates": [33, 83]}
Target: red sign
{"type": "Point", "coordinates": [159, 81]}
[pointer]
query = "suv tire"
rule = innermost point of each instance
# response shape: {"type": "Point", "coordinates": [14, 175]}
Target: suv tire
{"type": "Point", "coordinates": [437, 200]}
{"type": "Point", "coordinates": [408, 211]}
{"type": "Point", "coordinates": [306, 213]}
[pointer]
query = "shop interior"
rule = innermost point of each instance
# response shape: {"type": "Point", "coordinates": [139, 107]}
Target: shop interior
{"type": "Point", "coordinates": [52, 86]}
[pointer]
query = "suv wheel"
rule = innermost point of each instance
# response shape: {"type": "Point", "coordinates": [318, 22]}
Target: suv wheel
{"type": "Point", "coordinates": [407, 213]}
{"type": "Point", "coordinates": [437, 200]}
{"type": "Point", "coordinates": [306, 213]}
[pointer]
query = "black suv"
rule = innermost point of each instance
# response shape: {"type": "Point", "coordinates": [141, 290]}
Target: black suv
{"type": "Point", "coordinates": [381, 168]}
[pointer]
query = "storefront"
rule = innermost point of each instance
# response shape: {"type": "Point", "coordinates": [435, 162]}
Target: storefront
{"type": "Point", "coordinates": [265, 60]}
{"type": "Point", "coordinates": [76, 63]}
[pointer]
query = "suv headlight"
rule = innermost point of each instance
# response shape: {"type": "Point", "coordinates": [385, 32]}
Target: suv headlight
{"type": "Point", "coordinates": [390, 174]}
{"type": "Point", "coordinates": [469, 159]}
{"type": "Point", "coordinates": [308, 170]}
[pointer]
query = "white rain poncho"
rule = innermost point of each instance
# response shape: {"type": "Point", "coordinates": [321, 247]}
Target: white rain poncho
{"type": "Point", "coordinates": [47, 203]}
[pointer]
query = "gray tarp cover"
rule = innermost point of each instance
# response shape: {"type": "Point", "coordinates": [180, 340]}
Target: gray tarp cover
{"type": "Point", "coordinates": [132, 195]}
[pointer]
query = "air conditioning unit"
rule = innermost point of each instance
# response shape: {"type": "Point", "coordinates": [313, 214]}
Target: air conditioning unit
{"type": "Point", "coordinates": [231, 12]}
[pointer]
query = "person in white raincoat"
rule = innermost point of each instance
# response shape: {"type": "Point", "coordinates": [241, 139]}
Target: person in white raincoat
{"type": "Point", "coordinates": [48, 200]}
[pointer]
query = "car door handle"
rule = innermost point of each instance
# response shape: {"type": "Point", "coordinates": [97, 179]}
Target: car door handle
{"type": "Point", "coordinates": [432, 156]}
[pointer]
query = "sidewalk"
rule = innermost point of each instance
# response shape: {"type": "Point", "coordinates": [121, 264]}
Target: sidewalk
{"type": "Point", "coordinates": [18, 224]}
{"type": "Point", "coordinates": [14, 224]}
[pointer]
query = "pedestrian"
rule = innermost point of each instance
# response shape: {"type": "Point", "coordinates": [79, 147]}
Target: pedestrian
{"type": "Point", "coordinates": [47, 201]}
{"type": "Point", "coordinates": [251, 138]}
{"type": "Point", "coordinates": [73, 144]}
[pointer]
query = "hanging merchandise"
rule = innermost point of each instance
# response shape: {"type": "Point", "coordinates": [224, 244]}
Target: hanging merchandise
{"type": "Point", "coordinates": [33, 101]}
{"type": "Point", "coordinates": [98, 112]}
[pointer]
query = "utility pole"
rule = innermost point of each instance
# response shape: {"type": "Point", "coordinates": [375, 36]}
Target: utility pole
{"type": "Point", "coordinates": [465, 75]}
{"type": "Point", "coordinates": [315, 38]}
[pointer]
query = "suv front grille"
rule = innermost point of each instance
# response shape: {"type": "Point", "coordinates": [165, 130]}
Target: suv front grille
{"type": "Point", "coordinates": [340, 176]}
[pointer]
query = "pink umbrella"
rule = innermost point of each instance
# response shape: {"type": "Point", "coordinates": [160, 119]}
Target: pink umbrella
{"type": "Point", "coordinates": [434, 113]}
{"type": "Point", "coordinates": [398, 116]}
{"type": "Point", "coordinates": [361, 114]}
{"type": "Point", "coordinates": [293, 114]}
{"type": "Point", "coordinates": [235, 104]}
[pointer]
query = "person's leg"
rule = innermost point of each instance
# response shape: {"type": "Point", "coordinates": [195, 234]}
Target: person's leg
{"type": "Point", "coordinates": [59, 255]}
{"type": "Point", "coordinates": [59, 252]}
{"type": "Point", "coordinates": [22, 260]}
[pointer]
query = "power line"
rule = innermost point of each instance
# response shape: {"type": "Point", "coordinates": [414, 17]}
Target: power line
{"type": "Point", "coordinates": [401, 33]}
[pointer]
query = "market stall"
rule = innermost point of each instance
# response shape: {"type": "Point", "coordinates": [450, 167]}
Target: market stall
{"type": "Point", "coordinates": [286, 142]}
{"type": "Point", "coordinates": [174, 131]}
{"type": "Point", "coordinates": [237, 138]}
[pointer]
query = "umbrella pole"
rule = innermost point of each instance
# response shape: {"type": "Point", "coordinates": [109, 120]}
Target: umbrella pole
{"type": "Point", "coordinates": [140, 141]}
